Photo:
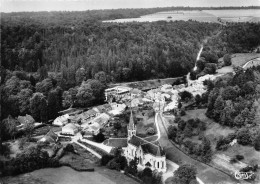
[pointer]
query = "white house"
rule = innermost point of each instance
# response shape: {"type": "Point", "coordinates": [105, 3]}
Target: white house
{"type": "Point", "coordinates": [69, 129]}
{"type": "Point", "coordinates": [61, 120]}
{"type": "Point", "coordinates": [117, 92]}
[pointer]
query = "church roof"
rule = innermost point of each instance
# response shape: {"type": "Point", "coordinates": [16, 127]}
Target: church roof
{"type": "Point", "coordinates": [131, 125]}
{"type": "Point", "coordinates": [146, 146]}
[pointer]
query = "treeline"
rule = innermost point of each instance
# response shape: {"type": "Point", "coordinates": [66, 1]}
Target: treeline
{"type": "Point", "coordinates": [126, 52]}
{"type": "Point", "coordinates": [43, 97]}
{"type": "Point", "coordinates": [76, 18]}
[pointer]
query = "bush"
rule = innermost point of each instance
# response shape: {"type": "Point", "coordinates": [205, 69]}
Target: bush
{"type": "Point", "coordinates": [69, 148]}
{"type": "Point", "coordinates": [257, 143]}
{"type": "Point", "coordinates": [105, 159]}
{"type": "Point", "coordinates": [244, 137]}
{"type": "Point", "coordinates": [182, 112]}
{"type": "Point", "coordinates": [239, 157]}
{"type": "Point", "coordinates": [112, 164]}
{"type": "Point", "coordinates": [185, 94]}
{"type": "Point", "coordinates": [150, 131]}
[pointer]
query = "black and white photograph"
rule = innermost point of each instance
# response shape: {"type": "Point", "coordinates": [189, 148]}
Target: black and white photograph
{"type": "Point", "coordinates": [130, 92]}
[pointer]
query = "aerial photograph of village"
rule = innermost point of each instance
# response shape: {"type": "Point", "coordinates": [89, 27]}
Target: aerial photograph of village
{"type": "Point", "coordinates": [128, 92]}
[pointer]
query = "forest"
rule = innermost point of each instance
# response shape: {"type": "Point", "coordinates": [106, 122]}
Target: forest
{"type": "Point", "coordinates": [47, 66]}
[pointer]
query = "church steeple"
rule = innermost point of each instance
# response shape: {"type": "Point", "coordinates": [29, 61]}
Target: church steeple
{"type": "Point", "coordinates": [131, 127]}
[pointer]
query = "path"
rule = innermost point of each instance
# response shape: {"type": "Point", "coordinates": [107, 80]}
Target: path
{"type": "Point", "coordinates": [206, 173]}
{"type": "Point", "coordinates": [88, 149]}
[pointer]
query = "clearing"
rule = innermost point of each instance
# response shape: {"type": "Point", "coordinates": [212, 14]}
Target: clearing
{"type": "Point", "coordinates": [239, 59]}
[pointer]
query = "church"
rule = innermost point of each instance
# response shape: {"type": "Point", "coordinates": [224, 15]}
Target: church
{"type": "Point", "coordinates": [149, 154]}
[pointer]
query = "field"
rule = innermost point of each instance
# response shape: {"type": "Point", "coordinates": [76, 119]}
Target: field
{"type": "Point", "coordinates": [240, 59]}
{"type": "Point", "coordinates": [249, 15]}
{"type": "Point", "coordinates": [214, 130]}
{"type": "Point", "coordinates": [252, 15]}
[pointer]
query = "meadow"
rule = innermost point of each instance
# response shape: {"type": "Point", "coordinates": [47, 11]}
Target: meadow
{"type": "Point", "coordinates": [239, 15]}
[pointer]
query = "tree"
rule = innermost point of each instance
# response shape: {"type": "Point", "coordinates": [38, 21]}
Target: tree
{"type": "Point", "coordinates": [98, 89]}
{"type": "Point", "coordinates": [38, 107]}
{"type": "Point", "coordinates": [206, 150]}
{"type": "Point", "coordinates": [244, 137]}
{"type": "Point", "coordinates": [99, 137]}
{"type": "Point", "coordinates": [229, 93]}
{"type": "Point", "coordinates": [257, 142]}
{"type": "Point", "coordinates": [197, 99]}
{"type": "Point", "coordinates": [28, 129]}
{"type": "Point", "coordinates": [53, 104]}
{"type": "Point", "coordinates": [239, 120]}
{"type": "Point", "coordinates": [80, 76]}
{"type": "Point", "coordinates": [101, 76]}
{"type": "Point", "coordinates": [44, 86]}
{"type": "Point", "coordinates": [227, 59]}
{"type": "Point", "coordinates": [132, 167]}
{"type": "Point", "coordinates": [85, 95]}
{"type": "Point", "coordinates": [146, 175]}
{"type": "Point", "coordinates": [184, 174]}
{"type": "Point", "coordinates": [24, 101]}
{"type": "Point", "coordinates": [185, 94]}
{"type": "Point", "coordinates": [172, 132]}
{"type": "Point", "coordinates": [8, 128]}
{"type": "Point", "coordinates": [218, 107]}
{"type": "Point", "coordinates": [69, 97]}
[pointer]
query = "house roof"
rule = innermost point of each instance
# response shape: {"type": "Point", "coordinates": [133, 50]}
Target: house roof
{"type": "Point", "coordinates": [50, 137]}
{"type": "Point", "coordinates": [70, 126]}
{"type": "Point", "coordinates": [146, 146]}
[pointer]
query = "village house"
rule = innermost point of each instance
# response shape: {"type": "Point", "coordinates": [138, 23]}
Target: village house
{"type": "Point", "coordinates": [69, 129]}
{"type": "Point", "coordinates": [61, 120]}
{"type": "Point", "coordinates": [88, 115]}
{"type": "Point", "coordinates": [116, 93]}
{"type": "Point", "coordinates": [50, 137]}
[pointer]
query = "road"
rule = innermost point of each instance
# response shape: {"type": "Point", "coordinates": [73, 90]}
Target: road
{"type": "Point", "coordinates": [206, 173]}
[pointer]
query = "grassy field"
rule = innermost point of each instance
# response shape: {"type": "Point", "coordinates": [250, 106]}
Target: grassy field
{"type": "Point", "coordinates": [240, 59]}
{"type": "Point", "coordinates": [214, 130]}
{"type": "Point", "coordinates": [249, 15]}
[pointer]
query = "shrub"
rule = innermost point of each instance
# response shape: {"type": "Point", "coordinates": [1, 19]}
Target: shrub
{"type": "Point", "coordinates": [239, 157]}
{"type": "Point", "coordinates": [112, 164]}
{"type": "Point", "coordinates": [105, 159]}
{"type": "Point", "coordinates": [257, 143]}
{"type": "Point", "coordinates": [150, 131]}
{"type": "Point", "coordinates": [182, 112]}
{"type": "Point", "coordinates": [244, 137]}
{"type": "Point", "coordinates": [233, 160]}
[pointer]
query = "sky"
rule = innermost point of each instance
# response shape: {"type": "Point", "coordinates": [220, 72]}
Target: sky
{"type": "Point", "coordinates": [80, 5]}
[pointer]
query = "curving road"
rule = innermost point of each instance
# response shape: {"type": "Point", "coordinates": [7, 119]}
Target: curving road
{"type": "Point", "coordinates": [206, 173]}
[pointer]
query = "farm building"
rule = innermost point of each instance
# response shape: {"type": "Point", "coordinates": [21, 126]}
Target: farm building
{"type": "Point", "coordinates": [92, 129]}
{"type": "Point", "coordinates": [88, 115]}
{"type": "Point", "coordinates": [103, 108]}
{"type": "Point", "coordinates": [116, 92]}
{"type": "Point", "coordinates": [69, 129]}
{"type": "Point", "coordinates": [61, 120]}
